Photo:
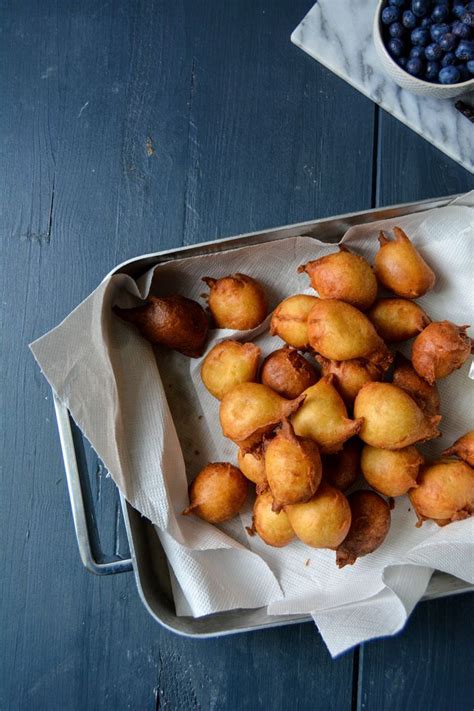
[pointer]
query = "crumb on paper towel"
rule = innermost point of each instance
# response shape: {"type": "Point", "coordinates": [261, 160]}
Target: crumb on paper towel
{"type": "Point", "coordinates": [308, 561]}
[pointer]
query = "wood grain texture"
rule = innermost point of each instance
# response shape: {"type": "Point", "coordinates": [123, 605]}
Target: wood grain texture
{"type": "Point", "coordinates": [128, 127]}
{"type": "Point", "coordinates": [427, 666]}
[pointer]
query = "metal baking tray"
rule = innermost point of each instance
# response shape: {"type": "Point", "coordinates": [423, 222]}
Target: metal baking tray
{"type": "Point", "coordinates": [147, 558]}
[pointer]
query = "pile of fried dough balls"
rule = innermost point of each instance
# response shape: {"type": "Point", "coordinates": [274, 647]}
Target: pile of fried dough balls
{"type": "Point", "coordinates": [332, 403]}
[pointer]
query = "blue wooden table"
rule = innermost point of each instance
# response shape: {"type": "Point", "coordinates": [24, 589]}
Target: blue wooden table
{"type": "Point", "coordinates": [129, 127]}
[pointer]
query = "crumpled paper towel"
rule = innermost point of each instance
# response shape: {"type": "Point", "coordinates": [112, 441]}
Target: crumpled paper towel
{"type": "Point", "coordinates": [153, 424]}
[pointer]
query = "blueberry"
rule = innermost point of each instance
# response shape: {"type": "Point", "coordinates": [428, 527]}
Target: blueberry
{"type": "Point", "coordinates": [437, 31]}
{"type": "Point", "coordinates": [390, 14]}
{"type": "Point", "coordinates": [448, 59]}
{"type": "Point", "coordinates": [420, 7]}
{"type": "Point", "coordinates": [461, 30]}
{"type": "Point", "coordinates": [402, 62]}
{"type": "Point", "coordinates": [415, 67]}
{"type": "Point", "coordinates": [396, 3]}
{"type": "Point", "coordinates": [409, 20]}
{"type": "Point", "coordinates": [470, 66]}
{"type": "Point", "coordinates": [432, 71]}
{"type": "Point", "coordinates": [448, 41]}
{"type": "Point", "coordinates": [396, 47]}
{"type": "Point", "coordinates": [464, 75]}
{"type": "Point", "coordinates": [396, 29]}
{"type": "Point", "coordinates": [470, 7]}
{"type": "Point", "coordinates": [449, 75]}
{"type": "Point", "coordinates": [458, 9]}
{"type": "Point", "coordinates": [433, 52]}
{"type": "Point", "coordinates": [420, 36]}
{"type": "Point", "coordinates": [440, 13]}
{"type": "Point", "coordinates": [417, 53]}
{"type": "Point", "coordinates": [465, 50]}
{"type": "Point", "coordinates": [468, 19]}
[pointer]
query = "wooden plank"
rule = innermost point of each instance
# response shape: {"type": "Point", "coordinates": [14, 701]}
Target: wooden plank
{"type": "Point", "coordinates": [260, 670]}
{"type": "Point", "coordinates": [271, 135]}
{"type": "Point", "coordinates": [426, 665]}
{"type": "Point", "coordinates": [130, 127]}
{"type": "Point", "coordinates": [80, 192]}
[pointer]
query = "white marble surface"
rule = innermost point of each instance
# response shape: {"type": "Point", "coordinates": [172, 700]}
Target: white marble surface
{"type": "Point", "coordinates": [338, 33]}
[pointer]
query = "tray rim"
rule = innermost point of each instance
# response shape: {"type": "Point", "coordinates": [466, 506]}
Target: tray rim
{"type": "Point", "coordinates": [217, 245]}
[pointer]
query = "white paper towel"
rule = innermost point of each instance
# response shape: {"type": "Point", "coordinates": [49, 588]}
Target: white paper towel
{"type": "Point", "coordinates": [108, 377]}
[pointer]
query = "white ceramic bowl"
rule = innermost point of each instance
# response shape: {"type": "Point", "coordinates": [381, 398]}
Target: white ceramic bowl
{"type": "Point", "coordinates": [407, 81]}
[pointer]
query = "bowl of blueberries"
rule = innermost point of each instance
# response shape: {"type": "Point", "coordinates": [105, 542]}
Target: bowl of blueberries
{"type": "Point", "coordinates": [427, 46]}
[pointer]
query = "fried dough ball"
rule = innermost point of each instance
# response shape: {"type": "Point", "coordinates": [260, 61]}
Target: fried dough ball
{"type": "Point", "coordinates": [391, 418]}
{"type": "Point", "coordinates": [391, 473]}
{"type": "Point", "coordinates": [440, 349]}
{"type": "Point", "coordinates": [250, 411]}
{"type": "Point", "coordinates": [292, 467]}
{"type": "Point", "coordinates": [339, 331]}
{"type": "Point", "coordinates": [445, 492]}
{"type": "Point", "coordinates": [236, 301]}
{"type": "Point", "coordinates": [401, 268]}
{"type": "Point", "coordinates": [405, 376]}
{"type": "Point", "coordinates": [289, 320]}
{"type": "Point", "coordinates": [343, 275]}
{"type": "Point", "coordinates": [463, 448]}
{"type": "Point", "coordinates": [273, 528]}
{"type": "Point", "coordinates": [323, 417]}
{"type": "Point", "coordinates": [342, 469]}
{"type": "Point", "coordinates": [287, 372]}
{"type": "Point", "coordinates": [370, 525]}
{"type": "Point", "coordinates": [253, 468]}
{"type": "Point", "coordinates": [349, 375]}
{"type": "Point", "coordinates": [172, 321]}
{"type": "Point", "coordinates": [217, 493]}
{"type": "Point", "coordinates": [228, 364]}
{"type": "Point", "coordinates": [397, 319]}
{"type": "Point", "coordinates": [324, 520]}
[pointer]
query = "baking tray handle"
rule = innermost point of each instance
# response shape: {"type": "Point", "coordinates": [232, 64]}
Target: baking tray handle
{"type": "Point", "coordinates": [76, 496]}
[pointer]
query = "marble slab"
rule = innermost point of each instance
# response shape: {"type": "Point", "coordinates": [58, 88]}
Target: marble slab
{"type": "Point", "coordinates": [338, 33]}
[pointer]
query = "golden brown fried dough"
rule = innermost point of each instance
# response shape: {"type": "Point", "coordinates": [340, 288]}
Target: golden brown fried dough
{"type": "Point", "coordinates": [324, 520]}
{"type": "Point", "coordinates": [323, 417]}
{"type": "Point", "coordinates": [273, 528]}
{"type": "Point", "coordinates": [445, 492]}
{"type": "Point", "coordinates": [391, 418]}
{"type": "Point", "coordinates": [292, 467]}
{"type": "Point", "coordinates": [217, 493]}
{"type": "Point", "coordinates": [172, 321]}
{"type": "Point", "coordinates": [236, 301]}
{"type": "Point", "coordinates": [463, 448]}
{"type": "Point", "coordinates": [287, 372]}
{"type": "Point", "coordinates": [405, 376]}
{"type": "Point", "coordinates": [339, 331]}
{"type": "Point", "coordinates": [391, 473]}
{"type": "Point", "coordinates": [342, 469]}
{"type": "Point", "coordinates": [250, 411]}
{"type": "Point", "coordinates": [440, 349]}
{"type": "Point", "coordinates": [370, 524]}
{"type": "Point", "coordinates": [397, 319]}
{"type": "Point", "coordinates": [349, 375]}
{"type": "Point", "coordinates": [228, 364]}
{"type": "Point", "coordinates": [253, 467]}
{"type": "Point", "coordinates": [289, 320]}
{"type": "Point", "coordinates": [401, 268]}
{"type": "Point", "coordinates": [343, 275]}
